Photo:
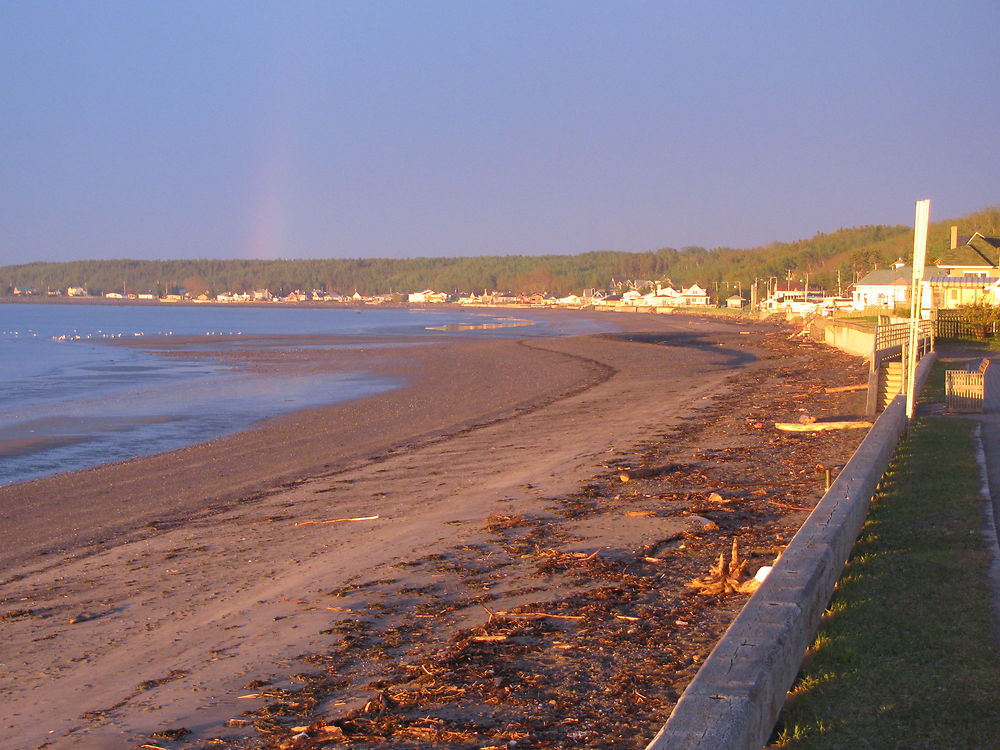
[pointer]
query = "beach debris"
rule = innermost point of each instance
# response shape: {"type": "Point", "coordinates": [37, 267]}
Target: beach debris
{"type": "Point", "coordinates": [725, 576]}
{"type": "Point", "coordinates": [786, 506]}
{"type": "Point", "coordinates": [706, 524]}
{"type": "Point", "coordinates": [171, 734]}
{"type": "Point", "coordinates": [18, 614]}
{"type": "Point", "coordinates": [628, 474]}
{"type": "Point", "coordinates": [319, 731]}
{"type": "Point", "coordinates": [337, 520]}
{"type": "Point", "coordinates": [381, 702]}
{"type": "Point", "coordinates": [498, 522]}
{"type": "Point", "coordinates": [821, 426]}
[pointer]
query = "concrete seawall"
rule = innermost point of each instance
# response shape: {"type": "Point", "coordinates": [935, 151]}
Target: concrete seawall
{"type": "Point", "coordinates": [734, 701]}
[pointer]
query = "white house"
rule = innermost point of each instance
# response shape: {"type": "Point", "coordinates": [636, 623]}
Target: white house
{"type": "Point", "coordinates": [695, 295]}
{"type": "Point", "coordinates": [883, 288]}
{"type": "Point", "coordinates": [428, 295]}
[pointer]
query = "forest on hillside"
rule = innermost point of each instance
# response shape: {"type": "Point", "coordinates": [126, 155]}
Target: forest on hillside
{"type": "Point", "coordinates": [829, 260]}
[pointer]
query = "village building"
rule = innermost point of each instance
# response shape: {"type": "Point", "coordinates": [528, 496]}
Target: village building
{"type": "Point", "coordinates": [795, 297]}
{"type": "Point", "coordinates": [570, 299]}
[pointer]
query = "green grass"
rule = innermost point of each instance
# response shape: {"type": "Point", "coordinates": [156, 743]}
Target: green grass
{"type": "Point", "coordinates": [856, 317]}
{"type": "Point", "coordinates": [905, 656]}
{"type": "Point", "coordinates": [934, 387]}
{"type": "Point", "coordinates": [990, 344]}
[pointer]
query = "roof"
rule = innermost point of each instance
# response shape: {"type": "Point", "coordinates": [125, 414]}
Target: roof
{"type": "Point", "coordinates": [991, 241]}
{"type": "Point", "coordinates": [973, 281]}
{"type": "Point", "coordinates": [888, 277]}
{"type": "Point", "coordinates": [789, 286]}
{"type": "Point", "coordinates": [978, 252]}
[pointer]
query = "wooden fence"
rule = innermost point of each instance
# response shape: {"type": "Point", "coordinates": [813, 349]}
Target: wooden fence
{"type": "Point", "coordinates": [965, 390]}
{"type": "Point", "coordinates": [950, 325]}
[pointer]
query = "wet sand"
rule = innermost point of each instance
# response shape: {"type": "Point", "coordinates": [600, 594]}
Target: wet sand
{"type": "Point", "coordinates": [148, 594]}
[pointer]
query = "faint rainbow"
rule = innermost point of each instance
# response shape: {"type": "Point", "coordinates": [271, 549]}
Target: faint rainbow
{"type": "Point", "coordinates": [272, 187]}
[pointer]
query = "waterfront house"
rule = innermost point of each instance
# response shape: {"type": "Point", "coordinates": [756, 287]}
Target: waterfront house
{"type": "Point", "coordinates": [427, 296]}
{"type": "Point", "coordinates": [884, 288]}
{"type": "Point", "coordinates": [667, 296]}
{"type": "Point", "coordinates": [964, 274]}
{"type": "Point", "coordinates": [695, 295]}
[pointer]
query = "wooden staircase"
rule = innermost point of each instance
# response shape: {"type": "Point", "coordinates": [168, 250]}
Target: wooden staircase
{"type": "Point", "coordinates": [890, 382]}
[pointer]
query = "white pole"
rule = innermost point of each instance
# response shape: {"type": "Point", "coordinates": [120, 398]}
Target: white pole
{"type": "Point", "coordinates": [919, 256]}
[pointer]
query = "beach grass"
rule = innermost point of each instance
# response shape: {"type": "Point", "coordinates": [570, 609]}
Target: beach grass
{"type": "Point", "coordinates": [905, 656]}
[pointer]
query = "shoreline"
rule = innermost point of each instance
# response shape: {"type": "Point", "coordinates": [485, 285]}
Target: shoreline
{"type": "Point", "coordinates": [237, 592]}
{"type": "Point", "coordinates": [207, 476]}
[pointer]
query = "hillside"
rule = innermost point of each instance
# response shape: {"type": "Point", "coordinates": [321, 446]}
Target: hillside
{"type": "Point", "coordinates": [851, 252]}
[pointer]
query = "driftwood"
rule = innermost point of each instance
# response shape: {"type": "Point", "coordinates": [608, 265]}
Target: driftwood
{"type": "Point", "coordinates": [337, 520]}
{"type": "Point", "coordinates": [725, 577]}
{"type": "Point", "coordinates": [537, 616]}
{"type": "Point", "coordinates": [821, 426]}
{"type": "Point", "coordinates": [845, 388]}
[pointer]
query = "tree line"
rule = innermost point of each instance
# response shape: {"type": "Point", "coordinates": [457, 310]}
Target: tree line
{"type": "Point", "coordinates": [827, 258]}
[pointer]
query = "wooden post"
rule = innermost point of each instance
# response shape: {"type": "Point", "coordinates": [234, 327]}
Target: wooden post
{"type": "Point", "coordinates": [920, 224]}
{"type": "Point", "coordinates": [871, 405]}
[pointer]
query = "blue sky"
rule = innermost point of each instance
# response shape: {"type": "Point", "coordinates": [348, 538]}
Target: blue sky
{"type": "Point", "coordinates": [239, 129]}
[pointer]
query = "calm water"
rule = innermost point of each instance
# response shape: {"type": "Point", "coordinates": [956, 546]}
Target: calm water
{"type": "Point", "coordinates": [69, 402]}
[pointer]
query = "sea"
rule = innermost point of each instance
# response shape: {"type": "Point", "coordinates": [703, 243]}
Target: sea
{"type": "Point", "coordinates": [70, 401]}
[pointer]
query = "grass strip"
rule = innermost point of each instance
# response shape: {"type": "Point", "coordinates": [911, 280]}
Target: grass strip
{"type": "Point", "coordinates": [905, 656]}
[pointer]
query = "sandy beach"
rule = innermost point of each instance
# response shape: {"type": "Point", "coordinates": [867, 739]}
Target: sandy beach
{"type": "Point", "coordinates": [173, 601]}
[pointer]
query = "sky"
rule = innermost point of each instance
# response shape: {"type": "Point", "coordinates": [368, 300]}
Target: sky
{"type": "Point", "coordinates": [334, 129]}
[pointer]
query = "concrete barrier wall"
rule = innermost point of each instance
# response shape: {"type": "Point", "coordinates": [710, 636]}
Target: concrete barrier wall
{"type": "Point", "coordinates": [853, 338]}
{"type": "Point", "coordinates": [734, 701]}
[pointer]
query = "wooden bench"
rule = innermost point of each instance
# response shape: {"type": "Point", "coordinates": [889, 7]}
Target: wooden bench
{"type": "Point", "coordinates": [965, 390]}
